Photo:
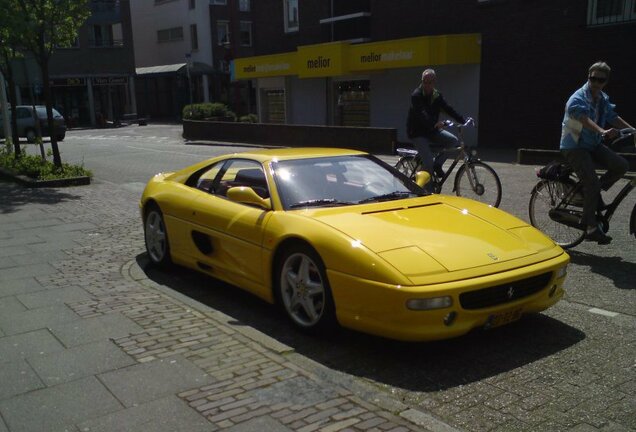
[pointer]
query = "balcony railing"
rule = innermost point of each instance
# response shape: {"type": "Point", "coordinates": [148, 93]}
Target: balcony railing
{"type": "Point", "coordinates": [106, 43]}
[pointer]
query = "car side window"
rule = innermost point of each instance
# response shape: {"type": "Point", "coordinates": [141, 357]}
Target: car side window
{"type": "Point", "coordinates": [242, 172]}
{"type": "Point", "coordinates": [205, 181]}
{"type": "Point", "coordinates": [22, 113]}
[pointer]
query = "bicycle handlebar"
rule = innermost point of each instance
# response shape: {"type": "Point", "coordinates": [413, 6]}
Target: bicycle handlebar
{"type": "Point", "coordinates": [469, 122]}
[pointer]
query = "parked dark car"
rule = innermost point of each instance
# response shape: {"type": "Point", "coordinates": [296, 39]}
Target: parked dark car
{"type": "Point", "coordinates": [26, 123]}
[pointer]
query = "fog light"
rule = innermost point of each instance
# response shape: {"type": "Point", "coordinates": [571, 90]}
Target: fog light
{"type": "Point", "coordinates": [429, 303]}
{"type": "Point", "coordinates": [450, 318]}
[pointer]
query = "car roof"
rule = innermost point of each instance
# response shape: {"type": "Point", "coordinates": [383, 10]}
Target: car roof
{"type": "Point", "coordinates": [296, 153]}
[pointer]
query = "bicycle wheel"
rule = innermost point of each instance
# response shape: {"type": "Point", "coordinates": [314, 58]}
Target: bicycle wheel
{"type": "Point", "coordinates": [407, 165]}
{"type": "Point", "coordinates": [477, 180]}
{"type": "Point", "coordinates": [545, 196]}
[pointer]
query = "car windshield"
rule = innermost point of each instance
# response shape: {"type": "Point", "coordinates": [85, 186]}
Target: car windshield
{"type": "Point", "coordinates": [339, 180]}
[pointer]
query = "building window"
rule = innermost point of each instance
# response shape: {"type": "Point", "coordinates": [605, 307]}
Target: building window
{"type": "Point", "coordinates": [244, 5]}
{"type": "Point", "coordinates": [352, 103]}
{"type": "Point", "coordinates": [223, 32]}
{"type": "Point", "coordinates": [194, 37]}
{"type": "Point", "coordinates": [602, 12]}
{"type": "Point", "coordinates": [107, 35]}
{"type": "Point", "coordinates": [170, 35]}
{"type": "Point", "coordinates": [218, 2]}
{"type": "Point", "coordinates": [192, 4]}
{"type": "Point", "coordinates": [291, 15]}
{"type": "Point", "coordinates": [246, 33]}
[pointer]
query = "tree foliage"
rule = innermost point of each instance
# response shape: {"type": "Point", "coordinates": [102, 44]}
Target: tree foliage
{"type": "Point", "coordinates": [39, 26]}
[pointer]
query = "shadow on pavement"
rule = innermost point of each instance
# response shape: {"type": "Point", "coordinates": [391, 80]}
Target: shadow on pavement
{"type": "Point", "coordinates": [614, 268]}
{"type": "Point", "coordinates": [15, 196]}
{"type": "Point", "coordinates": [423, 367]}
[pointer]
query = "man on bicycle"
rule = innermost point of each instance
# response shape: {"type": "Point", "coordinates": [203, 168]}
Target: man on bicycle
{"type": "Point", "coordinates": [424, 127]}
{"type": "Point", "coordinates": [587, 112]}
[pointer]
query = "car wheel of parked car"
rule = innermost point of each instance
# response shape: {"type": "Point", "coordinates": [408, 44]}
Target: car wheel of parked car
{"type": "Point", "coordinates": [303, 289]}
{"type": "Point", "coordinates": [156, 237]}
{"type": "Point", "coordinates": [61, 137]}
{"type": "Point", "coordinates": [30, 135]}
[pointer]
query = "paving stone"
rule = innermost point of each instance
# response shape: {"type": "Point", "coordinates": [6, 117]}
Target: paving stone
{"type": "Point", "coordinates": [177, 375]}
{"type": "Point", "coordinates": [260, 424]}
{"type": "Point", "coordinates": [10, 305]}
{"type": "Point", "coordinates": [55, 407]}
{"type": "Point", "coordinates": [298, 390]}
{"type": "Point", "coordinates": [164, 415]}
{"type": "Point", "coordinates": [28, 271]}
{"type": "Point", "coordinates": [88, 330]}
{"type": "Point", "coordinates": [34, 319]}
{"type": "Point", "coordinates": [17, 378]}
{"type": "Point", "coordinates": [26, 345]}
{"type": "Point", "coordinates": [80, 362]}
{"type": "Point", "coordinates": [53, 297]}
{"type": "Point", "coordinates": [20, 286]}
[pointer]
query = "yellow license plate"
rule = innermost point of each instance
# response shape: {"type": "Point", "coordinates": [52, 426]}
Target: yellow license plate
{"type": "Point", "coordinates": [503, 318]}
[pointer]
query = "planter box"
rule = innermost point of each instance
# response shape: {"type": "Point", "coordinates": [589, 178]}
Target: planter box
{"type": "Point", "coordinates": [372, 140]}
{"type": "Point", "coordinates": [30, 182]}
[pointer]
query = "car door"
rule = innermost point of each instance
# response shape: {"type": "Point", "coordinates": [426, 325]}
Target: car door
{"type": "Point", "coordinates": [24, 119]}
{"type": "Point", "coordinates": [228, 236]}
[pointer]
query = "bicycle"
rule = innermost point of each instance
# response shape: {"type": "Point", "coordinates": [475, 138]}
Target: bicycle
{"type": "Point", "coordinates": [556, 202]}
{"type": "Point", "coordinates": [474, 179]}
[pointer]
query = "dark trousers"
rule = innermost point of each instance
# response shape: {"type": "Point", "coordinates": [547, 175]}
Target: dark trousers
{"type": "Point", "coordinates": [583, 162]}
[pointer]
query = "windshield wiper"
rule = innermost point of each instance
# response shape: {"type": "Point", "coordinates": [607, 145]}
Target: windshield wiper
{"type": "Point", "coordinates": [320, 202]}
{"type": "Point", "coordinates": [387, 197]}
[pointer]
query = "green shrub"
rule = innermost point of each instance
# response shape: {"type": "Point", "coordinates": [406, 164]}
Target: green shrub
{"type": "Point", "coordinates": [33, 166]}
{"type": "Point", "coordinates": [249, 118]}
{"type": "Point", "coordinates": [202, 111]}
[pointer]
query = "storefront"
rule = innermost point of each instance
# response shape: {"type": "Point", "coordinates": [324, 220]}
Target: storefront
{"type": "Point", "coordinates": [367, 84]}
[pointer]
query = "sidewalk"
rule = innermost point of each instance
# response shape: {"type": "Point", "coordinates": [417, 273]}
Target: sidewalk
{"type": "Point", "coordinates": [89, 343]}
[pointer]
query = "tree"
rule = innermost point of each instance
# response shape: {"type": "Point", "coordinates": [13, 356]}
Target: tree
{"type": "Point", "coordinates": [44, 25]}
{"type": "Point", "coordinates": [7, 53]}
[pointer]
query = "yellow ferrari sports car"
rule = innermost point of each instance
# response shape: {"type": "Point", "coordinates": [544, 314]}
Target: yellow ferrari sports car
{"type": "Point", "coordinates": [339, 237]}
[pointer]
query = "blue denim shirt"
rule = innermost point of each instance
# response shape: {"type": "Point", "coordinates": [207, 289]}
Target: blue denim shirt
{"type": "Point", "coordinates": [573, 134]}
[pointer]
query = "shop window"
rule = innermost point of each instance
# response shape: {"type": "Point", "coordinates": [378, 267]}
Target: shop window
{"type": "Point", "coordinates": [352, 103]}
{"type": "Point", "coordinates": [223, 32]}
{"type": "Point", "coordinates": [273, 105]}
{"type": "Point", "coordinates": [291, 15]}
{"type": "Point", "coordinates": [170, 35]}
{"type": "Point", "coordinates": [194, 37]}
{"type": "Point", "coordinates": [246, 33]}
{"type": "Point", "coordinates": [602, 12]}
{"type": "Point", "coordinates": [244, 5]}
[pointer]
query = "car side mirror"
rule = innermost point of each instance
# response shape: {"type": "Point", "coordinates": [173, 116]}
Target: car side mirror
{"type": "Point", "coordinates": [246, 195]}
{"type": "Point", "coordinates": [422, 178]}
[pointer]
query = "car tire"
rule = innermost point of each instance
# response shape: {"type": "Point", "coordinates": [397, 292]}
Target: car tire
{"type": "Point", "coordinates": [61, 137]}
{"type": "Point", "coordinates": [156, 237]}
{"type": "Point", "coordinates": [30, 135]}
{"type": "Point", "coordinates": [303, 290]}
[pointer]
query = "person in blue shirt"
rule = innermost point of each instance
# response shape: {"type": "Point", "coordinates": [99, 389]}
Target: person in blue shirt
{"type": "Point", "coordinates": [588, 112]}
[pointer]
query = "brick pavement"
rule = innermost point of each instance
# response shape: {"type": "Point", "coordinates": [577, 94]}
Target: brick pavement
{"type": "Point", "coordinates": [87, 342]}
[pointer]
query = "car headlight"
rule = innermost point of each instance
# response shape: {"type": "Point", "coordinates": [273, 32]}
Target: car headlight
{"type": "Point", "coordinates": [429, 303]}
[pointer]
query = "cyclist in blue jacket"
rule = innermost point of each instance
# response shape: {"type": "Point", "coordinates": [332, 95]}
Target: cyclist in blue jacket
{"type": "Point", "coordinates": [587, 113]}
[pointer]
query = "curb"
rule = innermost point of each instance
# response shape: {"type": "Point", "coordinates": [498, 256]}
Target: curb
{"type": "Point", "coordinates": [34, 183]}
{"type": "Point", "coordinates": [366, 390]}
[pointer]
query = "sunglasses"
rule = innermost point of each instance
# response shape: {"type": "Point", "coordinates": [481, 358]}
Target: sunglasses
{"type": "Point", "coordinates": [600, 80]}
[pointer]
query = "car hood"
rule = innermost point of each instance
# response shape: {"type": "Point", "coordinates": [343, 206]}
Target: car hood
{"type": "Point", "coordinates": [456, 233]}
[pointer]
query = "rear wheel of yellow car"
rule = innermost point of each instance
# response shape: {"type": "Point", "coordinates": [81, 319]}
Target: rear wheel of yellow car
{"type": "Point", "coordinates": [303, 290]}
{"type": "Point", "coordinates": [156, 237]}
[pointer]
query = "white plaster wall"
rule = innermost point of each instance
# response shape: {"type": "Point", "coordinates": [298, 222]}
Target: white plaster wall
{"type": "Point", "coordinates": [391, 95]}
{"type": "Point", "coordinates": [307, 101]}
{"type": "Point", "coordinates": [148, 17]}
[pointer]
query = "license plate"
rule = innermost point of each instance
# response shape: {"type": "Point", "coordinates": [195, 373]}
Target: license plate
{"type": "Point", "coordinates": [503, 318]}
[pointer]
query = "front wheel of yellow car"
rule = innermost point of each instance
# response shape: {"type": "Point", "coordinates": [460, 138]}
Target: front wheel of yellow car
{"type": "Point", "coordinates": [156, 237]}
{"type": "Point", "coordinates": [303, 290]}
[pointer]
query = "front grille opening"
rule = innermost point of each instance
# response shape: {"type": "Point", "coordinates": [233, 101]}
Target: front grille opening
{"type": "Point", "coordinates": [504, 293]}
